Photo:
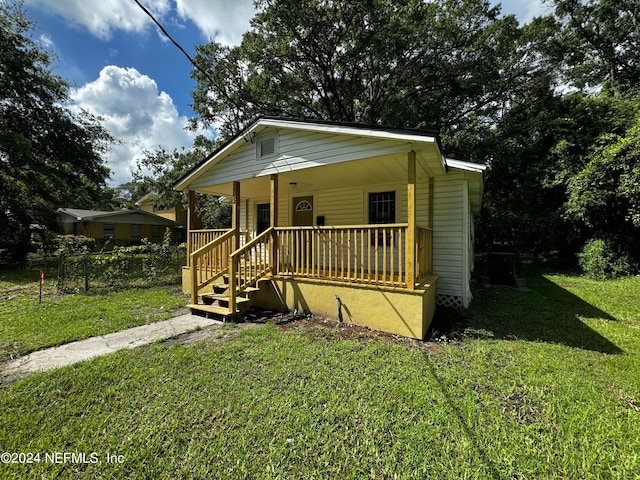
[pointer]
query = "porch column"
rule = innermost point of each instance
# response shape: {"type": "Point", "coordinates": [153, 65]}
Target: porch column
{"type": "Point", "coordinates": [191, 222]}
{"type": "Point", "coordinates": [429, 245]}
{"type": "Point", "coordinates": [273, 222]}
{"type": "Point", "coordinates": [235, 214]}
{"type": "Point", "coordinates": [246, 220]}
{"type": "Point", "coordinates": [411, 220]}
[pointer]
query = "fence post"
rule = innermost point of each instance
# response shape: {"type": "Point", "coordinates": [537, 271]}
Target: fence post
{"type": "Point", "coordinates": [86, 273]}
{"type": "Point", "coordinates": [60, 272]}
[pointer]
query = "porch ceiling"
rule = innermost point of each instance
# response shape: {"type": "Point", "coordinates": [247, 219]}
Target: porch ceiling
{"type": "Point", "coordinates": [368, 171]}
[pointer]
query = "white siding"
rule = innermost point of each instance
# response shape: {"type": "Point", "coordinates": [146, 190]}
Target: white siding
{"type": "Point", "coordinates": [422, 203]}
{"type": "Point", "coordinates": [448, 234]}
{"type": "Point", "coordinates": [297, 150]}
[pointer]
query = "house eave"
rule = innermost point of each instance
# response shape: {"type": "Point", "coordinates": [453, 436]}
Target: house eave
{"type": "Point", "coordinates": [412, 136]}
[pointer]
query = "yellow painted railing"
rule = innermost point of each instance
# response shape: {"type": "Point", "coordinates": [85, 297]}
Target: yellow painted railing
{"type": "Point", "coordinates": [370, 254]}
{"type": "Point", "coordinates": [373, 254]}
{"type": "Point", "coordinates": [211, 261]}
{"type": "Point", "coordinates": [249, 264]}
{"type": "Point", "coordinates": [424, 253]}
{"type": "Point", "coordinates": [200, 238]}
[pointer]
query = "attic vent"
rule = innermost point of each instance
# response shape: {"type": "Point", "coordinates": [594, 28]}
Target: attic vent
{"type": "Point", "coordinates": [267, 146]}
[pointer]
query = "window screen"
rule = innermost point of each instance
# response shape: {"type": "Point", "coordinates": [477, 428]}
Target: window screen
{"type": "Point", "coordinates": [136, 230]}
{"type": "Point", "coordinates": [382, 207]}
{"type": "Point", "coordinates": [108, 230]}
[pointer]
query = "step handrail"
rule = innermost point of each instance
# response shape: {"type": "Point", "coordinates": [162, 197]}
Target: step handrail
{"type": "Point", "coordinates": [209, 275]}
{"type": "Point", "coordinates": [254, 270]}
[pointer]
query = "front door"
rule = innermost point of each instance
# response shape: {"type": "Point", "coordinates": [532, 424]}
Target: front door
{"type": "Point", "coordinates": [302, 211]}
{"type": "Point", "coordinates": [263, 217]}
{"type": "Point", "coordinates": [303, 243]}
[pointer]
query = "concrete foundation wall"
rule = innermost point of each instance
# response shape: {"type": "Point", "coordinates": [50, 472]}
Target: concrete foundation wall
{"type": "Point", "coordinates": [402, 313]}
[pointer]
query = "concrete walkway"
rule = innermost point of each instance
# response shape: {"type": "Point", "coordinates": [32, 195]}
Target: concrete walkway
{"type": "Point", "coordinates": [69, 353]}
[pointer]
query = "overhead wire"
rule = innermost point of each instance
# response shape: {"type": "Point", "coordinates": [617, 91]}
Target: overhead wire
{"type": "Point", "coordinates": [166, 34]}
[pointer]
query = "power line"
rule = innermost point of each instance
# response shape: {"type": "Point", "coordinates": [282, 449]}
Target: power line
{"type": "Point", "coordinates": [166, 34]}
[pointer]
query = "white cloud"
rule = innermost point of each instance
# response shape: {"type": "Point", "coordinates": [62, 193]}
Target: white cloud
{"type": "Point", "coordinates": [136, 114]}
{"type": "Point", "coordinates": [46, 42]}
{"type": "Point", "coordinates": [102, 17]}
{"type": "Point", "coordinates": [222, 20]}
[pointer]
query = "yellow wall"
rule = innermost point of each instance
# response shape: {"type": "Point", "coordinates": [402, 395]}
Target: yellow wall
{"type": "Point", "coordinates": [394, 311]}
{"type": "Point", "coordinates": [402, 313]}
{"type": "Point", "coordinates": [122, 231]}
{"type": "Point", "coordinates": [177, 214]}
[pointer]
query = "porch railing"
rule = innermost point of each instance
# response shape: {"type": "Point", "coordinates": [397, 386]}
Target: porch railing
{"type": "Point", "coordinates": [368, 254]}
{"type": "Point", "coordinates": [374, 254]}
{"type": "Point", "coordinates": [211, 261]}
{"type": "Point", "coordinates": [200, 238]}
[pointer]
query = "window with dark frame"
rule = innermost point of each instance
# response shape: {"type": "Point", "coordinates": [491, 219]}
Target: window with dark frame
{"type": "Point", "coordinates": [156, 231]}
{"type": "Point", "coordinates": [136, 230]}
{"type": "Point", "coordinates": [108, 230]}
{"type": "Point", "coordinates": [382, 210]}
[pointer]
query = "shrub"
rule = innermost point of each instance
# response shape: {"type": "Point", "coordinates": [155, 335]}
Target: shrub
{"type": "Point", "coordinates": [601, 259]}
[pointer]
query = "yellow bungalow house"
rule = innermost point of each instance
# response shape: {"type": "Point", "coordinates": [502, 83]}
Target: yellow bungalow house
{"type": "Point", "coordinates": [369, 224]}
{"type": "Point", "coordinates": [122, 227]}
{"type": "Point", "coordinates": [177, 214]}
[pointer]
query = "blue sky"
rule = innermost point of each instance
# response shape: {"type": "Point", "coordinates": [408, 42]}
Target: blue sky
{"type": "Point", "coordinates": [123, 69]}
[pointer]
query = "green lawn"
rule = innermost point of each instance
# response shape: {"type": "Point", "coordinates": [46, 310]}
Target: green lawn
{"type": "Point", "coordinates": [27, 325]}
{"type": "Point", "coordinates": [543, 383]}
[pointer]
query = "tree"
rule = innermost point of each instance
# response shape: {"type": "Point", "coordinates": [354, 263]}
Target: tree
{"type": "Point", "coordinates": [405, 63]}
{"type": "Point", "coordinates": [598, 42]}
{"type": "Point", "coordinates": [159, 171]}
{"type": "Point", "coordinates": [604, 197]}
{"type": "Point", "coordinates": [50, 155]}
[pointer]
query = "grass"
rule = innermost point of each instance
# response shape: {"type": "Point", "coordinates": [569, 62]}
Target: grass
{"type": "Point", "coordinates": [542, 384]}
{"type": "Point", "coordinates": [27, 325]}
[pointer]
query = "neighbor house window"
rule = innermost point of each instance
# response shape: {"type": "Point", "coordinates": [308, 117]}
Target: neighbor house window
{"type": "Point", "coordinates": [108, 230]}
{"type": "Point", "coordinates": [156, 231]}
{"type": "Point", "coordinates": [382, 209]}
{"type": "Point", "coordinates": [136, 230]}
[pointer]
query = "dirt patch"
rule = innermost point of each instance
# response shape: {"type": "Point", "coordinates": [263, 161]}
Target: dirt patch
{"type": "Point", "coordinates": [331, 330]}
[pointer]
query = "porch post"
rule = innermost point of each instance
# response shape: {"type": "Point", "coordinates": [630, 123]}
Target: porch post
{"type": "Point", "coordinates": [273, 222]}
{"type": "Point", "coordinates": [411, 220]}
{"type": "Point", "coordinates": [429, 245]}
{"type": "Point", "coordinates": [246, 220]}
{"type": "Point", "coordinates": [191, 220]}
{"type": "Point", "coordinates": [235, 214]}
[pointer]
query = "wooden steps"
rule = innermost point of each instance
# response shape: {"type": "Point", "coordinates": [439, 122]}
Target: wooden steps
{"type": "Point", "coordinates": [217, 302]}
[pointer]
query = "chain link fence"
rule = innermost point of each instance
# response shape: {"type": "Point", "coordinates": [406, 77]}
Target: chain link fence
{"type": "Point", "coordinates": [80, 273]}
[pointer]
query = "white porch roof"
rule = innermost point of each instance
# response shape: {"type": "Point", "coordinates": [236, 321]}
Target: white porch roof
{"type": "Point", "coordinates": [357, 155]}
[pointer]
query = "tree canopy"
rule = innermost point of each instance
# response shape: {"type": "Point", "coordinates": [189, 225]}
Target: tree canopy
{"type": "Point", "coordinates": [50, 154]}
{"type": "Point", "coordinates": [548, 105]}
{"type": "Point", "coordinates": [404, 63]}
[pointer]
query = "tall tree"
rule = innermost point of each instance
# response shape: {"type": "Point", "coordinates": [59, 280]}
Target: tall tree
{"type": "Point", "coordinates": [599, 42]}
{"type": "Point", "coordinates": [604, 196]}
{"type": "Point", "coordinates": [50, 155]}
{"type": "Point", "coordinates": [394, 62]}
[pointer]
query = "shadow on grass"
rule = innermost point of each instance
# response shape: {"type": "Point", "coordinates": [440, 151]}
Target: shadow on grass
{"type": "Point", "coordinates": [543, 312]}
